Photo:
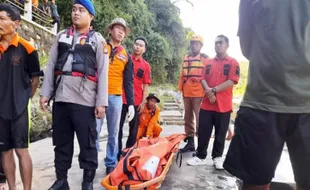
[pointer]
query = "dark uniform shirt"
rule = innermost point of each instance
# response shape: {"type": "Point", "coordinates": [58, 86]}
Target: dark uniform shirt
{"type": "Point", "coordinates": [275, 37]}
{"type": "Point", "coordinates": [18, 64]}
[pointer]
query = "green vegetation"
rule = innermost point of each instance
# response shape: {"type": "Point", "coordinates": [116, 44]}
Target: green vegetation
{"type": "Point", "coordinates": [239, 89]}
{"type": "Point", "coordinates": [43, 60]}
{"type": "Point", "coordinates": [158, 20]}
{"type": "Point", "coordinates": [164, 92]}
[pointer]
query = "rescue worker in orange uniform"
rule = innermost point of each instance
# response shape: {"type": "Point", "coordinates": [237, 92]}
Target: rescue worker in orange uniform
{"type": "Point", "coordinates": [148, 126]}
{"type": "Point", "coordinates": [121, 76]}
{"type": "Point", "coordinates": [189, 85]}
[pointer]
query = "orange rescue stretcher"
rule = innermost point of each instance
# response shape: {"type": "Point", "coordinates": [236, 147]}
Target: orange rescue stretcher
{"type": "Point", "coordinates": [156, 182]}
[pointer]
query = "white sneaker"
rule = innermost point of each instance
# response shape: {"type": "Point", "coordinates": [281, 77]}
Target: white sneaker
{"type": "Point", "coordinates": [218, 163]}
{"type": "Point", "coordinates": [195, 161]}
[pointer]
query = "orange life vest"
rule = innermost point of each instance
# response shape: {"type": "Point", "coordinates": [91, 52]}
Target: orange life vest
{"type": "Point", "coordinates": [192, 68]}
{"type": "Point", "coordinates": [144, 161]}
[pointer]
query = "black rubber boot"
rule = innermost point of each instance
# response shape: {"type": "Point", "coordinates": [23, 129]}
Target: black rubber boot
{"type": "Point", "coordinates": [88, 178]}
{"type": "Point", "coordinates": [190, 146]}
{"type": "Point", "coordinates": [61, 183]}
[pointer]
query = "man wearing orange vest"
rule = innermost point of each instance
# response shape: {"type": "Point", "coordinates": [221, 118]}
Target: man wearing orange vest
{"type": "Point", "coordinates": [120, 76]}
{"type": "Point", "coordinates": [191, 88]}
{"type": "Point", "coordinates": [148, 126]}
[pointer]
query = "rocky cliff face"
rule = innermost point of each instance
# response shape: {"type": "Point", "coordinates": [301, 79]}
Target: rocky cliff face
{"type": "Point", "coordinates": [40, 37]}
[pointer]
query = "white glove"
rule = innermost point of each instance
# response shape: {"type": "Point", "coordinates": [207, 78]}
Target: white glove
{"type": "Point", "coordinates": [179, 97]}
{"type": "Point", "coordinates": [131, 113]}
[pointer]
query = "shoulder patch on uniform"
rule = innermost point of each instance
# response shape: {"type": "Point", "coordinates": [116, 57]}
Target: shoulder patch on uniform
{"type": "Point", "coordinates": [105, 47]}
{"type": "Point", "coordinates": [27, 45]}
{"type": "Point", "coordinates": [122, 57]}
{"type": "Point", "coordinates": [99, 34]}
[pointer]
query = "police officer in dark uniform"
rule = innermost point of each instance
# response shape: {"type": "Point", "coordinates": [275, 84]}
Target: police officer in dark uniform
{"type": "Point", "coordinates": [77, 80]}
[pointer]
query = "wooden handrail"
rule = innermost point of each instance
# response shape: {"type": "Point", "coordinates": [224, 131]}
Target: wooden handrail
{"type": "Point", "coordinates": [37, 13]}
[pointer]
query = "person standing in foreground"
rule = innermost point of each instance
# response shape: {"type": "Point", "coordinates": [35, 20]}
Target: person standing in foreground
{"type": "Point", "coordinates": [189, 85]}
{"type": "Point", "coordinates": [19, 79]}
{"type": "Point", "coordinates": [276, 104]}
{"type": "Point", "coordinates": [77, 79]}
{"type": "Point", "coordinates": [220, 75]}
{"type": "Point", "coordinates": [142, 79]}
{"type": "Point", "coordinates": [120, 76]}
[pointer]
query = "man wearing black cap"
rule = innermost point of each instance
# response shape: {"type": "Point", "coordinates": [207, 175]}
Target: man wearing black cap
{"type": "Point", "coordinates": [142, 79]}
{"type": "Point", "coordinates": [148, 126]}
{"type": "Point", "coordinates": [77, 80]}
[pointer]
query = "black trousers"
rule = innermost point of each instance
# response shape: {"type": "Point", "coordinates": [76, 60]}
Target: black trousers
{"type": "Point", "coordinates": [208, 119]}
{"type": "Point", "coordinates": [2, 176]}
{"type": "Point", "coordinates": [256, 148]}
{"type": "Point", "coordinates": [133, 128]}
{"type": "Point", "coordinates": [67, 119]}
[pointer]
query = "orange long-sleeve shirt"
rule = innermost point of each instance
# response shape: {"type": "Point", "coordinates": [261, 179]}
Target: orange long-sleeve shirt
{"type": "Point", "coordinates": [149, 119]}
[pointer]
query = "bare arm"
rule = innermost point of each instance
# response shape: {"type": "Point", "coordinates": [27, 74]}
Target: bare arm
{"type": "Point", "coordinates": [207, 89]}
{"type": "Point", "coordinates": [34, 85]}
{"type": "Point", "coordinates": [145, 89]}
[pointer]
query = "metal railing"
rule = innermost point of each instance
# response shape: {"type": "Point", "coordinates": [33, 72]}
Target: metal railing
{"type": "Point", "coordinates": [38, 15]}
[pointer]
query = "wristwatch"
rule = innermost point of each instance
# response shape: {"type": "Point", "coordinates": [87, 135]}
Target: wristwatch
{"type": "Point", "coordinates": [214, 90]}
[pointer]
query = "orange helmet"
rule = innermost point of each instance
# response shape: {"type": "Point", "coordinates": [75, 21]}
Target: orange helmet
{"type": "Point", "coordinates": [197, 38]}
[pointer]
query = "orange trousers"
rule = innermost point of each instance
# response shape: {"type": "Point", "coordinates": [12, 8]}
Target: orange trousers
{"type": "Point", "coordinates": [142, 131]}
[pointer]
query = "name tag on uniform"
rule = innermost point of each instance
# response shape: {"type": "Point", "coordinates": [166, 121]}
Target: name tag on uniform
{"type": "Point", "coordinates": [122, 57]}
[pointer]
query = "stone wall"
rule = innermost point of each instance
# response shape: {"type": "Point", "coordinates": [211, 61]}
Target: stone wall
{"type": "Point", "coordinates": [39, 36]}
{"type": "Point", "coordinates": [42, 39]}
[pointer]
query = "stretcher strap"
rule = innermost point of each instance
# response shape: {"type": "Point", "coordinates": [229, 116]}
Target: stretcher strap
{"type": "Point", "coordinates": [126, 164]}
{"type": "Point", "coordinates": [179, 154]}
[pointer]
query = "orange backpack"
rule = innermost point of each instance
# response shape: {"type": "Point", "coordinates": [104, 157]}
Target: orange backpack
{"type": "Point", "coordinates": [144, 161]}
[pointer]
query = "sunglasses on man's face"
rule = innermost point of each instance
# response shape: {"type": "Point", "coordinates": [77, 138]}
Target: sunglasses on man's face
{"type": "Point", "coordinates": [219, 42]}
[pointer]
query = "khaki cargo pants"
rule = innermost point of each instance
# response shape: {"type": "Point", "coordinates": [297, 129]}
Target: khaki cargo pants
{"type": "Point", "coordinates": [191, 109]}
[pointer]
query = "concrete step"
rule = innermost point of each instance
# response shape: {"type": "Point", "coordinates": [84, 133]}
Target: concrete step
{"type": "Point", "coordinates": [169, 104]}
{"type": "Point", "coordinates": [171, 117]}
{"type": "Point", "coordinates": [170, 113]}
{"type": "Point", "coordinates": [171, 108]}
{"type": "Point", "coordinates": [172, 123]}
{"type": "Point", "coordinates": [169, 101]}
